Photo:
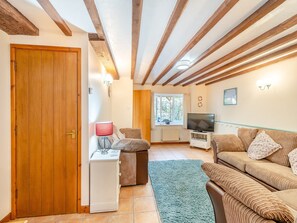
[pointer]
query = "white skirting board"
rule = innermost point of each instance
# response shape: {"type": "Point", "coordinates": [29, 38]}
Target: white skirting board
{"type": "Point", "coordinates": [103, 207]}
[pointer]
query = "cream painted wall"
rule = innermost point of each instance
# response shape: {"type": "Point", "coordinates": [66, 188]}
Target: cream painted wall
{"type": "Point", "coordinates": [5, 158]}
{"type": "Point", "coordinates": [273, 108]}
{"type": "Point", "coordinates": [79, 40]}
{"type": "Point", "coordinates": [196, 92]}
{"type": "Point", "coordinates": [99, 102]}
{"type": "Point", "coordinates": [156, 132]}
{"type": "Point", "coordinates": [122, 102]}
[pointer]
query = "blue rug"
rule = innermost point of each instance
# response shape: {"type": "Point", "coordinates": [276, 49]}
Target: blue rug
{"type": "Point", "coordinates": [179, 187]}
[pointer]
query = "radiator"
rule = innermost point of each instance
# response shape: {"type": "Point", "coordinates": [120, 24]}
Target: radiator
{"type": "Point", "coordinates": [170, 134]}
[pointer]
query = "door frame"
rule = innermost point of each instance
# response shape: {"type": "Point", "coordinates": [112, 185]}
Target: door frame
{"type": "Point", "coordinates": [13, 48]}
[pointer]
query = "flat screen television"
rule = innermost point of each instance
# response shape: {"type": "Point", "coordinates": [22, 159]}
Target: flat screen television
{"type": "Point", "coordinates": [201, 122]}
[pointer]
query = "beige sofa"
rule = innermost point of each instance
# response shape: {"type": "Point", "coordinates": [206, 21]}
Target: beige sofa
{"type": "Point", "coordinates": [274, 172]}
{"type": "Point", "coordinates": [237, 198]}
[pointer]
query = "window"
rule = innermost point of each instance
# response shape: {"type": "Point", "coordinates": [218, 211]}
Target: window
{"type": "Point", "coordinates": [169, 109]}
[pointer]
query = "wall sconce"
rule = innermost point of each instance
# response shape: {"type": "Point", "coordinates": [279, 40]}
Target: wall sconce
{"type": "Point", "coordinates": [107, 80]}
{"type": "Point", "coordinates": [263, 84]}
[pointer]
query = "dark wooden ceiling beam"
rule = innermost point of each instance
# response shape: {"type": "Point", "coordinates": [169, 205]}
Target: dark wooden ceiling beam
{"type": "Point", "coordinates": [258, 62]}
{"type": "Point", "coordinates": [136, 23]}
{"type": "Point", "coordinates": [94, 37]}
{"type": "Point", "coordinates": [106, 54]}
{"type": "Point", "coordinates": [269, 6]}
{"type": "Point", "coordinates": [13, 22]}
{"type": "Point", "coordinates": [253, 68]}
{"type": "Point", "coordinates": [178, 9]}
{"type": "Point", "coordinates": [277, 43]}
{"type": "Point", "coordinates": [102, 52]}
{"type": "Point", "coordinates": [52, 12]}
{"type": "Point", "coordinates": [224, 8]}
{"type": "Point", "coordinates": [249, 45]}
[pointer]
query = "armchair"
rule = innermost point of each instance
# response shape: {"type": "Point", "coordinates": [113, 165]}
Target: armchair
{"type": "Point", "coordinates": [134, 157]}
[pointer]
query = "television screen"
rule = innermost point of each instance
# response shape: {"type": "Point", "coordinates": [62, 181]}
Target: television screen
{"type": "Point", "coordinates": [201, 122]}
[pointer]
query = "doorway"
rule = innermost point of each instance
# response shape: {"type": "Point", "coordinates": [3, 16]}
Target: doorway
{"type": "Point", "coordinates": [142, 112]}
{"type": "Point", "coordinates": [46, 130]}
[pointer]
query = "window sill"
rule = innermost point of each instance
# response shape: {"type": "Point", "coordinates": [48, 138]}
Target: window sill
{"type": "Point", "coordinates": [171, 124]}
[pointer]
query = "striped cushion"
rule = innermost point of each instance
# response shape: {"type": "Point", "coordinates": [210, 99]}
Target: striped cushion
{"type": "Point", "coordinates": [249, 192]}
{"type": "Point", "coordinates": [236, 212]}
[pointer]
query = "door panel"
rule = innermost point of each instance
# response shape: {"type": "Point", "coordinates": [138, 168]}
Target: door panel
{"type": "Point", "coordinates": [59, 131]}
{"type": "Point", "coordinates": [46, 109]}
{"type": "Point", "coordinates": [71, 114]}
{"type": "Point", "coordinates": [47, 131]}
{"type": "Point", "coordinates": [22, 138]}
{"type": "Point", "coordinates": [34, 130]}
{"type": "Point", "coordinates": [142, 112]}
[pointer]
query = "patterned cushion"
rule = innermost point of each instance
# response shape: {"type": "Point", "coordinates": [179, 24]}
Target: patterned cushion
{"type": "Point", "coordinates": [247, 136]}
{"type": "Point", "coordinates": [288, 142]}
{"type": "Point", "coordinates": [249, 192]}
{"type": "Point", "coordinates": [262, 146]}
{"type": "Point", "coordinates": [293, 160]}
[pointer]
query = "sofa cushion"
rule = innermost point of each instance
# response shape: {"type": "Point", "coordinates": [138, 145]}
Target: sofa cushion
{"type": "Point", "coordinates": [236, 159]}
{"type": "Point", "coordinates": [262, 146]}
{"type": "Point", "coordinates": [289, 197]}
{"type": "Point", "coordinates": [293, 160]}
{"type": "Point", "coordinates": [287, 140]}
{"type": "Point", "coordinates": [228, 143]}
{"type": "Point", "coordinates": [247, 136]}
{"type": "Point", "coordinates": [277, 176]}
{"type": "Point", "coordinates": [249, 192]}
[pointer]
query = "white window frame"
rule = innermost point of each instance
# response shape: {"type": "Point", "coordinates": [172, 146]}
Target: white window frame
{"type": "Point", "coordinates": [155, 109]}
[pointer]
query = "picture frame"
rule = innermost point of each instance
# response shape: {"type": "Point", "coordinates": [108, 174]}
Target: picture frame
{"type": "Point", "coordinates": [230, 96]}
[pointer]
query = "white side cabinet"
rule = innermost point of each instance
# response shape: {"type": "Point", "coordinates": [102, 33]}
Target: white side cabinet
{"type": "Point", "coordinates": [200, 139]}
{"type": "Point", "coordinates": [104, 181]}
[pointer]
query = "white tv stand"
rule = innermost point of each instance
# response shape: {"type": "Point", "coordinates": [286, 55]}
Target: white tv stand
{"type": "Point", "coordinates": [200, 139]}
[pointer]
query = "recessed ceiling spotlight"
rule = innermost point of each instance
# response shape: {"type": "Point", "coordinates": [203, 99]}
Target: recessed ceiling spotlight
{"type": "Point", "coordinates": [183, 64]}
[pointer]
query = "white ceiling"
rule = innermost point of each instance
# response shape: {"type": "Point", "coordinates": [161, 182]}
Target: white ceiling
{"type": "Point", "coordinates": [116, 16]}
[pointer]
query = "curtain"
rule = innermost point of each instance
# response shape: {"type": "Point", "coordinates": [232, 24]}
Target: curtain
{"type": "Point", "coordinates": [186, 106]}
{"type": "Point", "coordinates": [153, 111]}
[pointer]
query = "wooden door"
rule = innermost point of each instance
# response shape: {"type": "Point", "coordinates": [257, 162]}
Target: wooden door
{"type": "Point", "coordinates": [142, 112]}
{"type": "Point", "coordinates": [46, 122]}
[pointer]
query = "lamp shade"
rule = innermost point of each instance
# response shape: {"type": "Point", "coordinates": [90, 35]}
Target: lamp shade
{"type": "Point", "coordinates": [104, 128]}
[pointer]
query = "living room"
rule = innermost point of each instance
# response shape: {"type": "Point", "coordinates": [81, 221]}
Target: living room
{"type": "Point", "coordinates": [147, 70]}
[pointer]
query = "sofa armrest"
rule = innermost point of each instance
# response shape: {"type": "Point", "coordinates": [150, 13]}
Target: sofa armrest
{"type": "Point", "coordinates": [131, 145]}
{"type": "Point", "coordinates": [249, 192]}
{"type": "Point", "coordinates": [226, 143]}
{"type": "Point", "coordinates": [216, 195]}
{"type": "Point", "coordinates": [131, 133]}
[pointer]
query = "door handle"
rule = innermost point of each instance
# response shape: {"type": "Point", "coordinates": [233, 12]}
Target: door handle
{"type": "Point", "coordinates": [72, 133]}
